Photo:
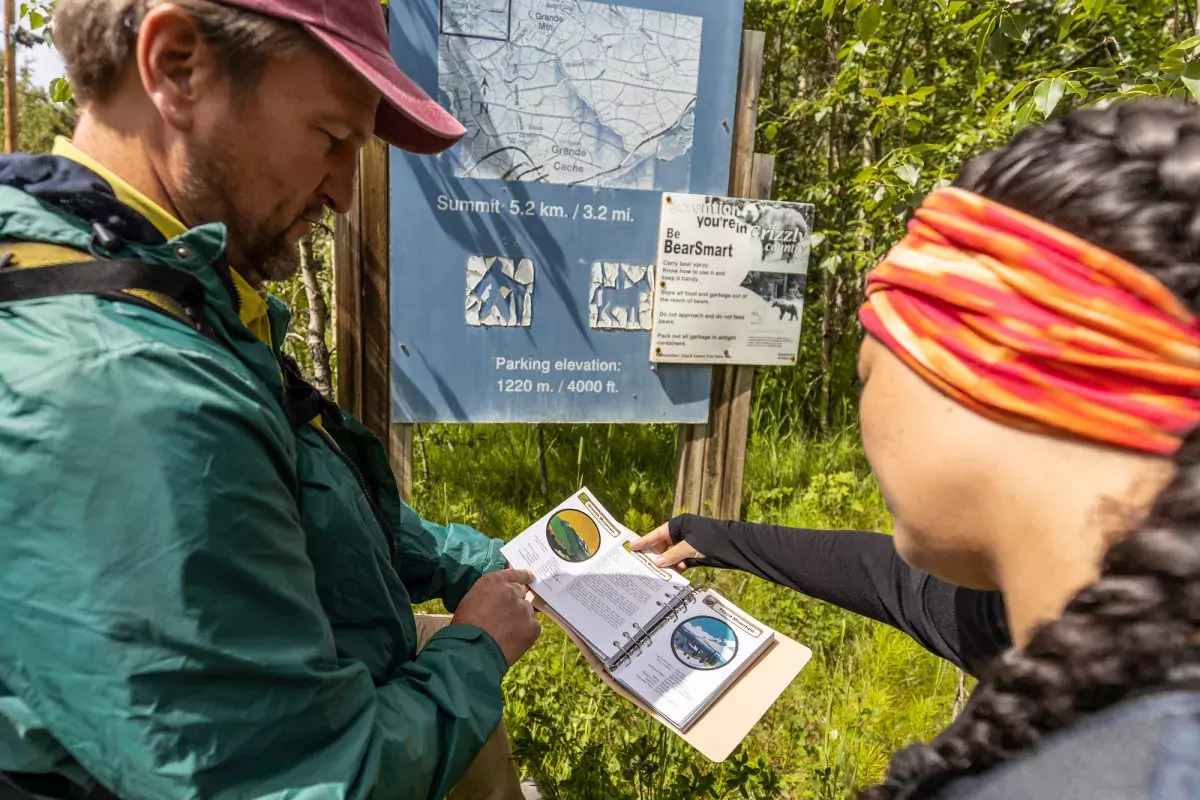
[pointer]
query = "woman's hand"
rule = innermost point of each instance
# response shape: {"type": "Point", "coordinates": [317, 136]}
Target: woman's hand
{"type": "Point", "coordinates": [658, 541]}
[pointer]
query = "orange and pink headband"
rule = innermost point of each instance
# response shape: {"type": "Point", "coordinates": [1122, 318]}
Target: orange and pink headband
{"type": "Point", "coordinates": [1036, 328]}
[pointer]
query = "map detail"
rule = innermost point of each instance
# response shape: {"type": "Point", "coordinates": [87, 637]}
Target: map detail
{"type": "Point", "coordinates": [570, 92]}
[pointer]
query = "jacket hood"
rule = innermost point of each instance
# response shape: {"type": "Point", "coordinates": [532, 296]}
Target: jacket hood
{"type": "Point", "coordinates": [73, 188]}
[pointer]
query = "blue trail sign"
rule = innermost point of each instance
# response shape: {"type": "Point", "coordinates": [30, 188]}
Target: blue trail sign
{"type": "Point", "coordinates": [523, 258]}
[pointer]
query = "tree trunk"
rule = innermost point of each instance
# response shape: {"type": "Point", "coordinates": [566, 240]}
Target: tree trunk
{"type": "Point", "coordinates": [833, 165]}
{"type": "Point", "coordinates": [318, 317]}
{"type": "Point", "coordinates": [424, 456]}
{"type": "Point", "coordinates": [827, 337]}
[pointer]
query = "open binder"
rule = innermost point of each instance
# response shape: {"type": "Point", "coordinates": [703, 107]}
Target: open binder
{"type": "Point", "coordinates": [682, 653]}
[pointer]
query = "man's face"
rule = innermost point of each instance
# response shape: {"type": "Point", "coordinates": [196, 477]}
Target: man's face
{"type": "Point", "coordinates": [267, 160]}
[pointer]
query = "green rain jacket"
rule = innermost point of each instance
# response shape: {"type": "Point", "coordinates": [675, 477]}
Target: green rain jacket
{"type": "Point", "coordinates": [196, 598]}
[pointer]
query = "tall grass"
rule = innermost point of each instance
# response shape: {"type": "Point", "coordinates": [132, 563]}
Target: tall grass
{"type": "Point", "coordinates": [867, 691]}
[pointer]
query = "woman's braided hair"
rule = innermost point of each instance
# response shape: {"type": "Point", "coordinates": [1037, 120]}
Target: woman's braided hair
{"type": "Point", "coordinates": [1126, 178]}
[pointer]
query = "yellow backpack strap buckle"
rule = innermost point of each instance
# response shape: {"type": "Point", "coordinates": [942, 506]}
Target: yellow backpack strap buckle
{"type": "Point", "coordinates": [35, 255]}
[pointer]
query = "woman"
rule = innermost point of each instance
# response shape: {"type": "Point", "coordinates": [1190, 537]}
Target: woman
{"type": "Point", "coordinates": [1032, 370]}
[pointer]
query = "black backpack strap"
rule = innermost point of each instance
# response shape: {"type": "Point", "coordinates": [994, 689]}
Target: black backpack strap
{"type": "Point", "coordinates": [31, 786]}
{"type": "Point", "coordinates": [304, 402]}
{"type": "Point", "coordinates": [108, 278]}
{"type": "Point", "coordinates": [11, 790]}
{"type": "Point", "coordinates": [153, 284]}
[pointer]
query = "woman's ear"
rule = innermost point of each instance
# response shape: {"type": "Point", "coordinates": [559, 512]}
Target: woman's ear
{"type": "Point", "coordinates": [176, 65]}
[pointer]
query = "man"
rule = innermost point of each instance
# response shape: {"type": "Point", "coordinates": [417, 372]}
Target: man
{"type": "Point", "coordinates": [207, 572]}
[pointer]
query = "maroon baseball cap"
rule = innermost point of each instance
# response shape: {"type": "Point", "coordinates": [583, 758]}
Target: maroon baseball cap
{"type": "Point", "coordinates": [355, 30]}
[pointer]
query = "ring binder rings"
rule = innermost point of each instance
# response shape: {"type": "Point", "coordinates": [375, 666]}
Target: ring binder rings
{"type": "Point", "coordinates": [672, 613]}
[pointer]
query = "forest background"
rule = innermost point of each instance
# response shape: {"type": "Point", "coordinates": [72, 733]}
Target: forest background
{"type": "Point", "coordinates": [866, 105]}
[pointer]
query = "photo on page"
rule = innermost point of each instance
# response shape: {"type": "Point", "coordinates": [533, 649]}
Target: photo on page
{"type": "Point", "coordinates": [682, 666]}
{"type": "Point", "coordinates": [585, 571]}
{"type": "Point", "coordinates": [704, 643]}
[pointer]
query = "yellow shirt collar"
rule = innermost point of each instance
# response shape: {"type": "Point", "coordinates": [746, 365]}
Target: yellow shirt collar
{"type": "Point", "coordinates": [253, 308]}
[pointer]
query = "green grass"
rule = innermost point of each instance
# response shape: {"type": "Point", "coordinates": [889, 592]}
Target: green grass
{"type": "Point", "coordinates": [867, 691]}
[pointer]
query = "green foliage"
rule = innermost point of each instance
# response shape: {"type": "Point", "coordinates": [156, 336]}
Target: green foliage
{"type": "Point", "coordinates": [42, 114]}
{"type": "Point", "coordinates": [39, 14]}
{"type": "Point", "coordinates": [39, 17]}
{"type": "Point", "coordinates": [40, 118]}
{"type": "Point", "coordinates": [868, 690]}
{"type": "Point", "coordinates": [869, 105]}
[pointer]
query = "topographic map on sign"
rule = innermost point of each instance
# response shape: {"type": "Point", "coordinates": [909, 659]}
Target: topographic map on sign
{"type": "Point", "coordinates": [571, 92]}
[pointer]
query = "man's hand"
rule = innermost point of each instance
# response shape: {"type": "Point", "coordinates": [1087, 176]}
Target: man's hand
{"type": "Point", "coordinates": [666, 553]}
{"type": "Point", "coordinates": [497, 603]}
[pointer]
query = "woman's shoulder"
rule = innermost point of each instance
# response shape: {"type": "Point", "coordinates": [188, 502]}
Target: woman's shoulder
{"type": "Point", "coordinates": [1144, 747]}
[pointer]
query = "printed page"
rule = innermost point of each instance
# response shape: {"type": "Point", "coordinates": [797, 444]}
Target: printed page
{"type": "Point", "coordinates": [585, 572]}
{"type": "Point", "coordinates": [730, 282]}
{"type": "Point", "coordinates": [689, 660]}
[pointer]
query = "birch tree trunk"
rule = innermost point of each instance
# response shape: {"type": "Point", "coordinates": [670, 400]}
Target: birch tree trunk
{"type": "Point", "coordinates": [318, 317]}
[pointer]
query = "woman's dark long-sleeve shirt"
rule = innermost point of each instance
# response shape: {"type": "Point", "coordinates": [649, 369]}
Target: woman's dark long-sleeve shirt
{"type": "Point", "coordinates": [1144, 746]}
{"type": "Point", "coordinates": [860, 572]}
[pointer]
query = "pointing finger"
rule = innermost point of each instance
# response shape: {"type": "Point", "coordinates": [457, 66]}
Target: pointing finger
{"type": "Point", "coordinates": [676, 554]}
{"type": "Point", "coordinates": [657, 539]}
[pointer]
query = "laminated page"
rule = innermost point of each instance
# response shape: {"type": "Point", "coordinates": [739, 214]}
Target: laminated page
{"type": "Point", "coordinates": [584, 570]}
{"type": "Point", "coordinates": [692, 657]}
{"type": "Point", "coordinates": [718, 731]}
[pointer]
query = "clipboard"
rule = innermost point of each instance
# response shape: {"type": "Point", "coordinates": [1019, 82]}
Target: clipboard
{"type": "Point", "coordinates": [723, 726]}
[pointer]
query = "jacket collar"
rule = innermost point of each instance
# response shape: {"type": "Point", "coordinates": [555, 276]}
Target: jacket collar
{"type": "Point", "coordinates": [71, 187]}
{"type": "Point", "coordinates": [36, 206]}
{"type": "Point", "coordinates": [253, 307]}
{"type": "Point", "coordinates": [71, 181]}
{"type": "Point", "coordinates": [164, 221]}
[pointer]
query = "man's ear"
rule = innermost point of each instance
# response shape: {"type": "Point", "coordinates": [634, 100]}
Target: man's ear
{"type": "Point", "coordinates": [176, 65]}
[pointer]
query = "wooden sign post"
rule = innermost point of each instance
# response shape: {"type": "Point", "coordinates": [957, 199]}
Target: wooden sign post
{"type": "Point", "coordinates": [711, 458]}
{"type": "Point", "coordinates": [363, 316]}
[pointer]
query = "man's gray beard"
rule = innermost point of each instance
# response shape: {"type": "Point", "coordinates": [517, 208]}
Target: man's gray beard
{"type": "Point", "coordinates": [257, 255]}
{"type": "Point", "coordinates": [275, 261]}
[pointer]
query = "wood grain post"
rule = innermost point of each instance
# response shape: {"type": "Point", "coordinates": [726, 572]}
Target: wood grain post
{"type": "Point", "coordinates": [738, 433]}
{"type": "Point", "coordinates": [363, 325]}
{"type": "Point", "coordinates": [710, 458]}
